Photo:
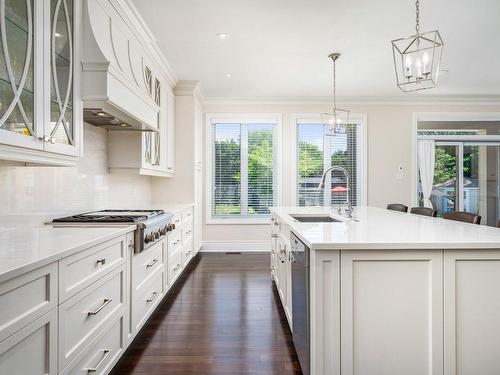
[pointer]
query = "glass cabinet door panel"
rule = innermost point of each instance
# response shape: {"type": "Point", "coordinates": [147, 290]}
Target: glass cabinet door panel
{"type": "Point", "coordinates": [61, 65]}
{"type": "Point", "coordinates": [16, 66]}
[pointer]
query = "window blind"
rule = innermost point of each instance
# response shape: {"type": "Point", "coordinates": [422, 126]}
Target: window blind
{"type": "Point", "coordinates": [243, 169]}
{"type": "Point", "coordinates": [316, 153]}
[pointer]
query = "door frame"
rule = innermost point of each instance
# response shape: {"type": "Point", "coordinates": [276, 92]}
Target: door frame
{"type": "Point", "coordinates": [441, 116]}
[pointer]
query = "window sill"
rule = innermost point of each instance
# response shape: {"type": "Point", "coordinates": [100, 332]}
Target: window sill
{"type": "Point", "coordinates": [239, 221]}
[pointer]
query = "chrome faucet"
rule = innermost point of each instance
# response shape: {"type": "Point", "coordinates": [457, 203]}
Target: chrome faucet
{"type": "Point", "coordinates": [349, 209]}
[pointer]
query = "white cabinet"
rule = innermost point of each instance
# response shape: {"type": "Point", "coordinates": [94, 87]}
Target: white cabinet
{"type": "Point", "coordinates": [281, 269]}
{"type": "Point", "coordinates": [33, 349]}
{"type": "Point", "coordinates": [147, 153]}
{"type": "Point", "coordinates": [40, 117]}
{"type": "Point", "coordinates": [472, 305]}
{"type": "Point", "coordinates": [391, 312]}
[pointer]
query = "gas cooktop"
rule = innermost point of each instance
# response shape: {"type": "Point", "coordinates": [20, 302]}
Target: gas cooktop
{"type": "Point", "coordinates": [111, 216]}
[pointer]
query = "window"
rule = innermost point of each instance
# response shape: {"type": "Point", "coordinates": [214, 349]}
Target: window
{"type": "Point", "coordinates": [243, 170]}
{"type": "Point", "coordinates": [316, 152]}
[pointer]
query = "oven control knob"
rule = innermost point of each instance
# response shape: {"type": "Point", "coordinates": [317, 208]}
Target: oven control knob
{"type": "Point", "coordinates": [146, 238]}
{"type": "Point", "coordinates": [157, 235]}
{"type": "Point", "coordinates": [163, 231]}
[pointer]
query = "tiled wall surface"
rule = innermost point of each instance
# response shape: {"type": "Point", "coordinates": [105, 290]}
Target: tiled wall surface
{"type": "Point", "coordinates": [47, 191]}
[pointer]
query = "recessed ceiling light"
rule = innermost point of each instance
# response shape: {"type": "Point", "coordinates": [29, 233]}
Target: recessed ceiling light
{"type": "Point", "coordinates": [57, 35]}
{"type": "Point", "coordinates": [228, 75]}
{"type": "Point", "coordinates": [222, 36]}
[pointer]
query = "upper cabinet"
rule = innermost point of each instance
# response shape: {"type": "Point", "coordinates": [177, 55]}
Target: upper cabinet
{"type": "Point", "coordinates": [40, 119]}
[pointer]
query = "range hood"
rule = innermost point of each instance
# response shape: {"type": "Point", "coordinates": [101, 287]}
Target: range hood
{"type": "Point", "coordinates": [115, 93]}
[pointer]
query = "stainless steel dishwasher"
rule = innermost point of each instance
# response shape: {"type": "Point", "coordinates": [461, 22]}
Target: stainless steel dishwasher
{"type": "Point", "coordinates": [300, 302]}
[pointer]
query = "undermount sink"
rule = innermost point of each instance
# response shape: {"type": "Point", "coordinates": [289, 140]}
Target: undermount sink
{"type": "Point", "coordinates": [315, 219]}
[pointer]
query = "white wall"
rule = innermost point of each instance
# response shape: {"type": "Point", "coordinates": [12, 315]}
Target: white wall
{"type": "Point", "coordinates": [47, 191]}
{"type": "Point", "coordinates": [389, 143]}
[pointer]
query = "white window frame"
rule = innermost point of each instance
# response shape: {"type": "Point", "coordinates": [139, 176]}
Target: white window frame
{"type": "Point", "coordinates": [218, 118]}
{"type": "Point", "coordinates": [361, 121]}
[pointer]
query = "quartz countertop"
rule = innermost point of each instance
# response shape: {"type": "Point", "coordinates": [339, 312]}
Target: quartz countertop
{"type": "Point", "coordinates": [24, 248]}
{"type": "Point", "coordinates": [377, 228]}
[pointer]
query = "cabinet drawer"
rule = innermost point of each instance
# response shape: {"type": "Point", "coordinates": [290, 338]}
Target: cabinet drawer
{"type": "Point", "coordinates": [82, 269]}
{"type": "Point", "coordinates": [26, 298]}
{"type": "Point", "coordinates": [174, 242]}
{"type": "Point", "coordinates": [174, 267]}
{"type": "Point", "coordinates": [187, 231]}
{"type": "Point", "coordinates": [146, 298]}
{"type": "Point", "coordinates": [83, 316]}
{"type": "Point", "coordinates": [146, 263]}
{"type": "Point", "coordinates": [187, 253]}
{"type": "Point", "coordinates": [187, 214]}
{"type": "Point", "coordinates": [32, 350]}
{"type": "Point", "coordinates": [100, 355]}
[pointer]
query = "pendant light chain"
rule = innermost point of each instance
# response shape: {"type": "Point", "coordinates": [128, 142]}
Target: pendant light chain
{"type": "Point", "coordinates": [334, 88]}
{"type": "Point", "coordinates": [417, 8]}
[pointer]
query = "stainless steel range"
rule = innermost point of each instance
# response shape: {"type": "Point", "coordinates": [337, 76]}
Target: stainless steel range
{"type": "Point", "coordinates": [152, 225]}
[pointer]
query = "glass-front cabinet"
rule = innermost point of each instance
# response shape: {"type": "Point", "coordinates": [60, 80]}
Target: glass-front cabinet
{"type": "Point", "coordinates": [154, 143]}
{"type": "Point", "coordinates": [38, 48]}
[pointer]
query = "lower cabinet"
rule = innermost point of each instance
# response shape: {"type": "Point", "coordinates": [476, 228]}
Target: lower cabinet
{"type": "Point", "coordinates": [33, 349]}
{"type": "Point", "coordinates": [391, 312]}
{"type": "Point", "coordinates": [102, 353]}
{"type": "Point", "coordinates": [472, 312]}
{"type": "Point", "coordinates": [79, 314]}
{"type": "Point", "coordinates": [83, 316]}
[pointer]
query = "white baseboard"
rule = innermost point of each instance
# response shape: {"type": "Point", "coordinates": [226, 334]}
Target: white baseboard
{"type": "Point", "coordinates": [226, 246]}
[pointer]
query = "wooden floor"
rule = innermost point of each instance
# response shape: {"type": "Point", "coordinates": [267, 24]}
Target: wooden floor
{"type": "Point", "coordinates": [221, 317]}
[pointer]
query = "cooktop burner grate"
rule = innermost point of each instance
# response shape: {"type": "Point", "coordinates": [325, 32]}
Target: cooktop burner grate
{"type": "Point", "coordinates": [111, 216]}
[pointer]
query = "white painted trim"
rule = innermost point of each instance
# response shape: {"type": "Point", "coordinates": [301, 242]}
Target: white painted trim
{"type": "Point", "coordinates": [439, 116]}
{"type": "Point", "coordinates": [406, 99]}
{"type": "Point", "coordinates": [211, 118]}
{"type": "Point", "coordinates": [361, 120]}
{"type": "Point", "coordinates": [225, 246]}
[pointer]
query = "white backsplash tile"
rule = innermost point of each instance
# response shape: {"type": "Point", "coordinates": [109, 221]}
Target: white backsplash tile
{"type": "Point", "coordinates": [47, 191]}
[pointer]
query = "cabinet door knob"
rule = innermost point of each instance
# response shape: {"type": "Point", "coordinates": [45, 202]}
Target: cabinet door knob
{"type": "Point", "coordinates": [102, 261]}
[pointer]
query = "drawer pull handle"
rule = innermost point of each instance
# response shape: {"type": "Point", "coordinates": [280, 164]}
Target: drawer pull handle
{"type": "Point", "coordinates": [176, 242]}
{"type": "Point", "coordinates": [102, 261]}
{"type": "Point", "coordinates": [274, 235]}
{"type": "Point", "coordinates": [153, 262]}
{"type": "Point", "coordinates": [106, 352]}
{"type": "Point", "coordinates": [106, 302]}
{"type": "Point", "coordinates": [152, 298]}
{"type": "Point", "coordinates": [177, 267]}
{"type": "Point", "coordinates": [188, 253]}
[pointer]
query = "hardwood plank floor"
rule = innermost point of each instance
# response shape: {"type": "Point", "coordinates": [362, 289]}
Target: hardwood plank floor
{"type": "Point", "coordinates": [221, 317]}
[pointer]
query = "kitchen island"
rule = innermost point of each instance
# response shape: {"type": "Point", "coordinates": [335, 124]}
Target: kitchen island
{"type": "Point", "coordinates": [390, 292]}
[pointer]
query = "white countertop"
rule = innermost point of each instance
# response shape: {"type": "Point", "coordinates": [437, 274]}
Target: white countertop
{"type": "Point", "coordinates": [379, 228]}
{"type": "Point", "coordinates": [24, 248]}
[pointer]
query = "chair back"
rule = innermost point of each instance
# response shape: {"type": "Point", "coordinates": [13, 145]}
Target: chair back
{"type": "Point", "coordinates": [425, 211]}
{"type": "Point", "coordinates": [397, 207]}
{"type": "Point", "coordinates": [465, 217]}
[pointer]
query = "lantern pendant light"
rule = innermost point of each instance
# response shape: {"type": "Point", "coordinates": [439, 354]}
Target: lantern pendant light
{"type": "Point", "coordinates": [417, 58]}
{"type": "Point", "coordinates": [337, 118]}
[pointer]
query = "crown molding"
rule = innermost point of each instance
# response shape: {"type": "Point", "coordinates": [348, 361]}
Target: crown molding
{"type": "Point", "coordinates": [189, 88]}
{"type": "Point", "coordinates": [483, 100]}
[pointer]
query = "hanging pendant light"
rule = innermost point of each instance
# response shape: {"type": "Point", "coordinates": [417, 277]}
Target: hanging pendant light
{"type": "Point", "coordinates": [417, 58]}
{"type": "Point", "coordinates": [337, 118]}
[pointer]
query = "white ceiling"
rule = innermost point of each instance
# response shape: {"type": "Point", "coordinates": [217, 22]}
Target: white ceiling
{"type": "Point", "coordinates": [279, 48]}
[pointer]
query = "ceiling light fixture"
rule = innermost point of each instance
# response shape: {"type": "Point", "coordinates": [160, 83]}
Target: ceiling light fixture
{"type": "Point", "coordinates": [222, 36]}
{"type": "Point", "coordinates": [337, 118]}
{"type": "Point", "coordinates": [417, 58]}
{"type": "Point", "coordinates": [228, 75]}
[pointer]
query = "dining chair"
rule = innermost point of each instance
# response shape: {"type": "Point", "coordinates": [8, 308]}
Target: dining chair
{"type": "Point", "coordinates": [397, 207]}
{"type": "Point", "coordinates": [465, 217]}
{"type": "Point", "coordinates": [425, 211]}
